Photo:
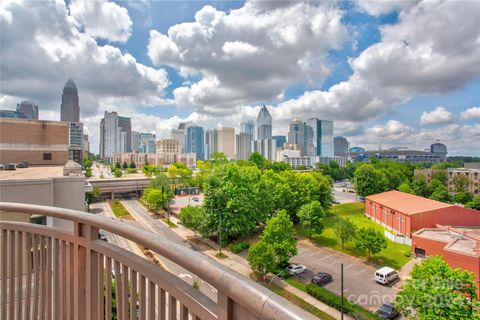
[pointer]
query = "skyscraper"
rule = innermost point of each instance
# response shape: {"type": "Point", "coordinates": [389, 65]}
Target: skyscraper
{"type": "Point", "coordinates": [264, 124]}
{"type": "Point", "coordinates": [147, 143]}
{"type": "Point", "coordinates": [340, 146]}
{"type": "Point", "coordinates": [194, 141]}
{"type": "Point", "coordinates": [211, 143]}
{"type": "Point", "coordinates": [75, 142]}
{"type": "Point", "coordinates": [226, 142]}
{"type": "Point", "coordinates": [298, 134]}
{"type": "Point", "coordinates": [112, 138]}
{"type": "Point", "coordinates": [320, 138]}
{"type": "Point", "coordinates": [126, 125]}
{"type": "Point", "coordinates": [135, 141]}
{"type": "Point", "coordinates": [248, 127]}
{"type": "Point", "coordinates": [70, 108]}
{"type": "Point", "coordinates": [29, 109]}
{"type": "Point", "coordinates": [279, 141]}
{"type": "Point", "coordinates": [243, 145]}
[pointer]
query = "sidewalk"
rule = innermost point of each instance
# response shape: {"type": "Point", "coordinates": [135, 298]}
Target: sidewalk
{"type": "Point", "coordinates": [241, 266]}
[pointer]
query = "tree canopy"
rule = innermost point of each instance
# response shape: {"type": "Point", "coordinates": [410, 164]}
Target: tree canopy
{"type": "Point", "coordinates": [280, 234]}
{"type": "Point", "coordinates": [370, 240]}
{"type": "Point", "coordinates": [312, 217]}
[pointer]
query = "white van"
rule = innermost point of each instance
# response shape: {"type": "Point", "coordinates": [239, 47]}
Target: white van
{"type": "Point", "coordinates": [385, 275]}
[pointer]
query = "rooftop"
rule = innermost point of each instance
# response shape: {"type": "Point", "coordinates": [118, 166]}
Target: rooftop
{"type": "Point", "coordinates": [461, 239]}
{"type": "Point", "coordinates": [41, 172]}
{"type": "Point", "coordinates": [406, 203]}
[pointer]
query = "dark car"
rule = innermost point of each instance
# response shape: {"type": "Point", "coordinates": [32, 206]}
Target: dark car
{"type": "Point", "coordinates": [102, 235]}
{"type": "Point", "coordinates": [322, 278]}
{"type": "Point", "coordinates": [387, 311]}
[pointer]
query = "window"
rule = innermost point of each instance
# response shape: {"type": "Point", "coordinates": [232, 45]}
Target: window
{"type": "Point", "coordinates": [47, 156]}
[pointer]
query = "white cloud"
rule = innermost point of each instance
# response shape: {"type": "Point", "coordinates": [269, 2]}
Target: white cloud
{"type": "Point", "coordinates": [438, 116]}
{"type": "Point", "coordinates": [380, 7]}
{"type": "Point", "coordinates": [250, 54]}
{"type": "Point", "coordinates": [102, 19]}
{"type": "Point", "coordinates": [470, 113]}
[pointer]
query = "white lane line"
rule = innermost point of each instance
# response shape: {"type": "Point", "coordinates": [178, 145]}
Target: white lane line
{"type": "Point", "coordinates": [314, 254]}
{"type": "Point", "coordinates": [348, 266]}
{"type": "Point", "coordinates": [326, 257]}
{"type": "Point", "coordinates": [363, 270]}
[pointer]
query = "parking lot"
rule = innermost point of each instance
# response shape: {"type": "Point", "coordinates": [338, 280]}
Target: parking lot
{"type": "Point", "coordinates": [359, 286]}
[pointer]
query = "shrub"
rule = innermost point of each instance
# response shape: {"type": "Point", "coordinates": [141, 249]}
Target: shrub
{"type": "Point", "coordinates": [131, 170]}
{"type": "Point", "coordinates": [335, 301]}
{"type": "Point", "coordinates": [239, 247]}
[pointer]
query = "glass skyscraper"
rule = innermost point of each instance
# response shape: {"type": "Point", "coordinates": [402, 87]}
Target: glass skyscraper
{"type": "Point", "coordinates": [320, 137]}
{"type": "Point", "coordinates": [194, 141]}
{"type": "Point", "coordinates": [70, 108]}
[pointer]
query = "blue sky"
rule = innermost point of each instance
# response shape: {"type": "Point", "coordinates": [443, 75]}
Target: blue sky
{"type": "Point", "coordinates": [375, 68]}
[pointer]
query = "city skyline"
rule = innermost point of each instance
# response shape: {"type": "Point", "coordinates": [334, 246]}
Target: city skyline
{"type": "Point", "coordinates": [143, 77]}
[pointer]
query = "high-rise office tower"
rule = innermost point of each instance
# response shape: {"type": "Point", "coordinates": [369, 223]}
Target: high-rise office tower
{"type": "Point", "coordinates": [194, 141]}
{"type": "Point", "coordinates": [340, 146]}
{"type": "Point", "coordinates": [279, 141]}
{"type": "Point", "coordinates": [29, 109]}
{"type": "Point", "coordinates": [75, 142]}
{"type": "Point", "coordinates": [147, 143]}
{"type": "Point", "coordinates": [179, 135]}
{"type": "Point", "coordinates": [243, 145]}
{"type": "Point", "coordinates": [211, 143]}
{"type": "Point", "coordinates": [320, 137]}
{"type": "Point", "coordinates": [248, 127]}
{"type": "Point", "coordinates": [264, 124]}
{"type": "Point", "coordinates": [126, 125]}
{"type": "Point", "coordinates": [112, 137]}
{"type": "Point", "coordinates": [298, 134]}
{"type": "Point", "coordinates": [226, 142]}
{"type": "Point", "coordinates": [70, 108]}
{"type": "Point", "coordinates": [135, 141]}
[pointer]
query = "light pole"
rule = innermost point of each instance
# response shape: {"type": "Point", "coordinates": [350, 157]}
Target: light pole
{"type": "Point", "coordinates": [341, 288]}
{"type": "Point", "coordinates": [220, 232]}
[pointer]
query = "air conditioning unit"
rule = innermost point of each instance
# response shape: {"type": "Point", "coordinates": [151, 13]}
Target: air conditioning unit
{"type": "Point", "coordinates": [9, 166]}
{"type": "Point", "coordinates": [22, 164]}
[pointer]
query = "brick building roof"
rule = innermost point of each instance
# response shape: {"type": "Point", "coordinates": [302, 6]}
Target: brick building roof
{"type": "Point", "coordinates": [405, 203]}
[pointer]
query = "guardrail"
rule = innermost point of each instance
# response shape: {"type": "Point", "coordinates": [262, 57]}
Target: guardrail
{"type": "Point", "coordinates": [50, 273]}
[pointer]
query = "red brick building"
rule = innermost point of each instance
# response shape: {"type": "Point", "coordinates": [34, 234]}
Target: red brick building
{"type": "Point", "coordinates": [459, 246]}
{"type": "Point", "coordinates": [404, 213]}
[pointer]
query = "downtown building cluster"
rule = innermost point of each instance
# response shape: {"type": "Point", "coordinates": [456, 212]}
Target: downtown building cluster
{"type": "Point", "coordinates": [307, 142]}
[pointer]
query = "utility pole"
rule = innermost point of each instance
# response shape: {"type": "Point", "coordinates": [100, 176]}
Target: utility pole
{"type": "Point", "coordinates": [220, 232]}
{"type": "Point", "coordinates": [341, 285]}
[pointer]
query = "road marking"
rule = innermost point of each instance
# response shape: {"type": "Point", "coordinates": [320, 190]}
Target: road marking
{"type": "Point", "coordinates": [345, 268]}
{"type": "Point", "coordinates": [361, 271]}
{"type": "Point", "coordinates": [314, 254]}
{"type": "Point", "coordinates": [326, 257]}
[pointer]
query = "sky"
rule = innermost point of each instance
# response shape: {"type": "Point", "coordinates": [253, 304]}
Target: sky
{"type": "Point", "coordinates": [390, 73]}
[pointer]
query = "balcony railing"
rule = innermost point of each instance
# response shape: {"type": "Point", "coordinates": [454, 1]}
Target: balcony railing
{"type": "Point", "coordinates": [51, 273]}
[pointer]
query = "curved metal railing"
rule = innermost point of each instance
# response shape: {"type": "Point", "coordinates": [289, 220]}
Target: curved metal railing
{"type": "Point", "coordinates": [51, 273]}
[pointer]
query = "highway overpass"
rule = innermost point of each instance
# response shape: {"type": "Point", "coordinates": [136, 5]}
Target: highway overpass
{"type": "Point", "coordinates": [118, 185]}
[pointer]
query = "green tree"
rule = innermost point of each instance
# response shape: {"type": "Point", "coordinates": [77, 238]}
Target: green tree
{"type": "Point", "coordinates": [88, 173]}
{"type": "Point", "coordinates": [261, 257]}
{"type": "Point", "coordinates": [117, 165]}
{"type": "Point", "coordinates": [257, 158]}
{"type": "Point", "coordinates": [219, 158]}
{"type": "Point", "coordinates": [280, 234]}
{"type": "Point", "coordinates": [132, 165]}
{"type": "Point", "coordinates": [405, 187]}
{"type": "Point", "coordinates": [312, 217]}
{"type": "Point", "coordinates": [440, 175]}
{"type": "Point", "coordinates": [125, 165]}
{"type": "Point", "coordinates": [369, 181]}
{"type": "Point", "coordinates": [92, 196]}
{"type": "Point", "coordinates": [474, 204]}
{"type": "Point", "coordinates": [463, 197]}
{"type": "Point", "coordinates": [371, 240]}
{"type": "Point", "coordinates": [345, 230]}
{"type": "Point", "coordinates": [460, 183]}
{"type": "Point", "coordinates": [440, 193]}
{"type": "Point", "coordinates": [155, 198]}
{"type": "Point", "coordinates": [117, 173]}
{"type": "Point", "coordinates": [193, 218]}
{"type": "Point", "coordinates": [420, 186]}
{"type": "Point", "coordinates": [436, 291]}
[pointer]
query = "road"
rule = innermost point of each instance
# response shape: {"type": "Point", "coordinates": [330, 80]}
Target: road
{"type": "Point", "coordinates": [359, 286]}
{"type": "Point", "coordinates": [342, 195]}
{"type": "Point", "coordinates": [99, 169]}
{"type": "Point", "coordinates": [179, 202]}
{"type": "Point", "coordinates": [146, 222]}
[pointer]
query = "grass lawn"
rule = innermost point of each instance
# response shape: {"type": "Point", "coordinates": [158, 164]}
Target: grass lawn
{"type": "Point", "coordinates": [119, 210]}
{"type": "Point", "coordinates": [393, 256]}
{"type": "Point", "coordinates": [300, 302]}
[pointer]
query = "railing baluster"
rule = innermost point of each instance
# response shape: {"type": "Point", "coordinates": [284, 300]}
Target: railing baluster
{"type": "Point", "coordinates": [11, 276]}
{"type": "Point", "coordinates": [4, 266]}
{"type": "Point", "coordinates": [100, 293]}
{"type": "Point", "coordinates": [118, 291]}
{"type": "Point", "coordinates": [28, 286]}
{"type": "Point", "coordinates": [36, 275]}
{"type": "Point", "coordinates": [48, 274]}
{"type": "Point", "coordinates": [108, 291]}
{"type": "Point", "coordinates": [56, 274]}
{"type": "Point", "coordinates": [20, 254]}
{"type": "Point", "coordinates": [142, 298]}
{"type": "Point", "coordinates": [62, 280]}
{"type": "Point", "coordinates": [133, 294]}
{"type": "Point", "coordinates": [43, 281]}
{"type": "Point", "coordinates": [69, 280]}
{"type": "Point", "coordinates": [161, 303]}
{"type": "Point", "coordinates": [172, 307]}
{"type": "Point", "coordinates": [183, 312]}
{"type": "Point", "coordinates": [151, 300]}
{"type": "Point", "coordinates": [124, 292]}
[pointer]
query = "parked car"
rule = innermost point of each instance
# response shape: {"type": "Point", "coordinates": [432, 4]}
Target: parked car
{"type": "Point", "coordinates": [102, 235]}
{"type": "Point", "coordinates": [294, 269]}
{"type": "Point", "coordinates": [322, 278]}
{"type": "Point", "coordinates": [385, 275]}
{"type": "Point", "coordinates": [195, 199]}
{"type": "Point", "coordinates": [361, 198]}
{"type": "Point", "coordinates": [334, 201]}
{"type": "Point", "coordinates": [387, 311]}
